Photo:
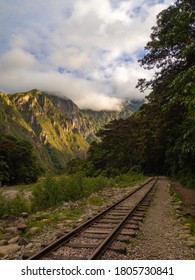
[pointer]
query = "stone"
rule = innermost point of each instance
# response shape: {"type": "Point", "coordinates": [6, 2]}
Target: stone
{"type": "Point", "coordinates": [66, 206]}
{"type": "Point", "coordinates": [192, 238]}
{"type": "Point", "coordinates": [3, 242]}
{"type": "Point", "coordinates": [22, 241]}
{"type": "Point", "coordinates": [24, 215]}
{"type": "Point", "coordinates": [9, 249]}
{"type": "Point", "coordinates": [34, 230]}
{"type": "Point", "coordinates": [7, 236]}
{"type": "Point", "coordinates": [13, 240]}
{"type": "Point", "coordinates": [184, 236]}
{"type": "Point", "coordinates": [39, 217]}
{"type": "Point", "coordinates": [177, 207]}
{"type": "Point", "coordinates": [186, 227]}
{"type": "Point", "coordinates": [30, 245]}
{"type": "Point", "coordinates": [11, 229]}
{"type": "Point", "coordinates": [190, 243]}
{"type": "Point", "coordinates": [61, 225]}
{"type": "Point", "coordinates": [21, 227]}
{"type": "Point", "coordinates": [9, 218]}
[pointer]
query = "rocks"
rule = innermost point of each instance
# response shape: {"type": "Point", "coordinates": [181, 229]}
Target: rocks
{"type": "Point", "coordinates": [184, 236]}
{"type": "Point", "coordinates": [7, 236]}
{"type": "Point", "coordinates": [186, 227]}
{"type": "Point", "coordinates": [29, 246]}
{"type": "Point", "coordinates": [34, 230]}
{"type": "Point", "coordinates": [24, 215]}
{"type": "Point", "coordinates": [22, 241]}
{"type": "Point", "coordinates": [177, 207]}
{"type": "Point", "coordinates": [39, 217]}
{"type": "Point", "coordinates": [11, 229]}
{"type": "Point", "coordinates": [21, 227]}
{"type": "Point", "coordinates": [9, 218]}
{"type": "Point", "coordinates": [190, 243]}
{"type": "Point", "coordinates": [9, 249]}
{"type": "Point", "coordinates": [13, 240]}
{"type": "Point", "coordinates": [66, 206]}
{"type": "Point", "coordinates": [3, 242]}
{"type": "Point", "coordinates": [60, 226]}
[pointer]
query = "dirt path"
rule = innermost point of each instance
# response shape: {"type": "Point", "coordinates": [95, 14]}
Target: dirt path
{"type": "Point", "coordinates": [160, 236]}
{"type": "Point", "coordinates": [188, 197]}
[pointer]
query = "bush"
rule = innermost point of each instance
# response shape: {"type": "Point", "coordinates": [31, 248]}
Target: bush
{"type": "Point", "coordinates": [53, 191]}
{"type": "Point", "coordinates": [13, 206]}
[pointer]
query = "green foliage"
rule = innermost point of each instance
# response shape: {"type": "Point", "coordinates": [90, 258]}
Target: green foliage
{"type": "Point", "coordinates": [80, 165]}
{"type": "Point", "coordinates": [53, 191]}
{"type": "Point", "coordinates": [13, 206]}
{"type": "Point", "coordinates": [99, 201]}
{"type": "Point", "coordinates": [18, 163]}
{"type": "Point", "coordinates": [160, 137]}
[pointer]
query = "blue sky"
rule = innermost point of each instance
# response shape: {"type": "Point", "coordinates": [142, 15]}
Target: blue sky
{"type": "Point", "coordinates": [86, 50]}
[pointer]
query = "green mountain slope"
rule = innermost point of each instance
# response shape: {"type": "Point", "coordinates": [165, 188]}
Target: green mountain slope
{"type": "Point", "coordinates": [57, 128]}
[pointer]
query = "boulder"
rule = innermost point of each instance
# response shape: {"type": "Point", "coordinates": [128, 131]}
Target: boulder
{"type": "Point", "coordinates": [9, 249]}
{"type": "Point", "coordinates": [13, 240]}
{"type": "Point", "coordinates": [7, 236]}
{"type": "Point", "coordinates": [21, 227]}
{"type": "Point", "coordinates": [184, 236]}
{"type": "Point", "coordinates": [9, 218]}
{"type": "Point", "coordinates": [190, 243]}
{"type": "Point", "coordinates": [66, 206]}
{"type": "Point", "coordinates": [22, 241]}
{"type": "Point", "coordinates": [11, 230]}
{"type": "Point", "coordinates": [34, 230]}
{"type": "Point", "coordinates": [3, 242]}
{"type": "Point", "coordinates": [24, 215]}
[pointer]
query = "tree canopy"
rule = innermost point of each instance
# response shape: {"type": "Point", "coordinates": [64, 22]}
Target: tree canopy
{"type": "Point", "coordinates": [160, 137]}
{"type": "Point", "coordinates": [17, 161]}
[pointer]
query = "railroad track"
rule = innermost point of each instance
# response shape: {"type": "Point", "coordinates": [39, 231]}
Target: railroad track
{"type": "Point", "coordinates": [106, 232]}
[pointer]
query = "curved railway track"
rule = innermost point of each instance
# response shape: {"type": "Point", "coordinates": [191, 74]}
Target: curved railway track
{"type": "Point", "coordinates": [105, 231]}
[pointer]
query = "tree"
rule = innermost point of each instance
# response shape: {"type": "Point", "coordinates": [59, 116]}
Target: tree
{"type": "Point", "coordinates": [160, 136]}
{"type": "Point", "coordinates": [18, 163]}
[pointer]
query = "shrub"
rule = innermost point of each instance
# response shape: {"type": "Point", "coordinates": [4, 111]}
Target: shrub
{"type": "Point", "coordinates": [13, 206]}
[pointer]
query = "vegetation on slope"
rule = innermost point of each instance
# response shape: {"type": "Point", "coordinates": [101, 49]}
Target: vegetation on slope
{"type": "Point", "coordinates": [53, 191]}
{"type": "Point", "coordinates": [17, 161]}
{"type": "Point", "coordinates": [57, 129]}
{"type": "Point", "coordinates": [160, 137]}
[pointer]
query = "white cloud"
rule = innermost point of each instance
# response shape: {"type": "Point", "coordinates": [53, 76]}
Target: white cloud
{"type": "Point", "coordinates": [93, 43]}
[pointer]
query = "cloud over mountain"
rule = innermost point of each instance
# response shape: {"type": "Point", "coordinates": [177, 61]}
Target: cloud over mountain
{"type": "Point", "coordinates": [84, 49]}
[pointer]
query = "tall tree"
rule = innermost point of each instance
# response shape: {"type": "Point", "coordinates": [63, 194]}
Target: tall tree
{"type": "Point", "coordinates": [164, 135]}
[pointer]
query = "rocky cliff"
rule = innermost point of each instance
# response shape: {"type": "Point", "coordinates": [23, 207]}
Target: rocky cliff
{"type": "Point", "coordinates": [57, 128]}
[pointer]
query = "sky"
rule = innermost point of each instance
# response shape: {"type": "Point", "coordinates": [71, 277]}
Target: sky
{"type": "Point", "coordinates": [86, 50]}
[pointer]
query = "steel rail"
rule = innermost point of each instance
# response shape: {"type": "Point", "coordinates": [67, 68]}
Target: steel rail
{"type": "Point", "coordinates": [65, 238]}
{"type": "Point", "coordinates": [111, 237]}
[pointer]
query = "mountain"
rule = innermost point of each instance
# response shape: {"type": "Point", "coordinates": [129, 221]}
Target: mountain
{"type": "Point", "coordinates": [57, 128]}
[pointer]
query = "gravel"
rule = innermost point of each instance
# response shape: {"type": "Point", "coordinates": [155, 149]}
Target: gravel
{"type": "Point", "coordinates": [159, 236]}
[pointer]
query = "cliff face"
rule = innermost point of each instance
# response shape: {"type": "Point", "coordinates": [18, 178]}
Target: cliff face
{"type": "Point", "coordinates": [55, 126]}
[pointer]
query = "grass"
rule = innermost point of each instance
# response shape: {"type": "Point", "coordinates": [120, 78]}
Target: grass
{"type": "Point", "coordinates": [13, 206]}
{"type": "Point", "coordinates": [73, 214]}
{"type": "Point", "coordinates": [192, 226]}
{"type": "Point", "coordinates": [52, 191]}
{"type": "Point", "coordinates": [97, 201]}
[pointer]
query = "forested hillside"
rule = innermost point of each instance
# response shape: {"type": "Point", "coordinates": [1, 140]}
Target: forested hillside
{"type": "Point", "coordinates": [45, 130]}
{"type": "Point", "coordinates": [160, 137]}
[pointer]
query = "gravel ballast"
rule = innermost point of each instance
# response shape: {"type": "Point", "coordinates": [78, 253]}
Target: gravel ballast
{"type": "Point", "coordinates": [160, 235]}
